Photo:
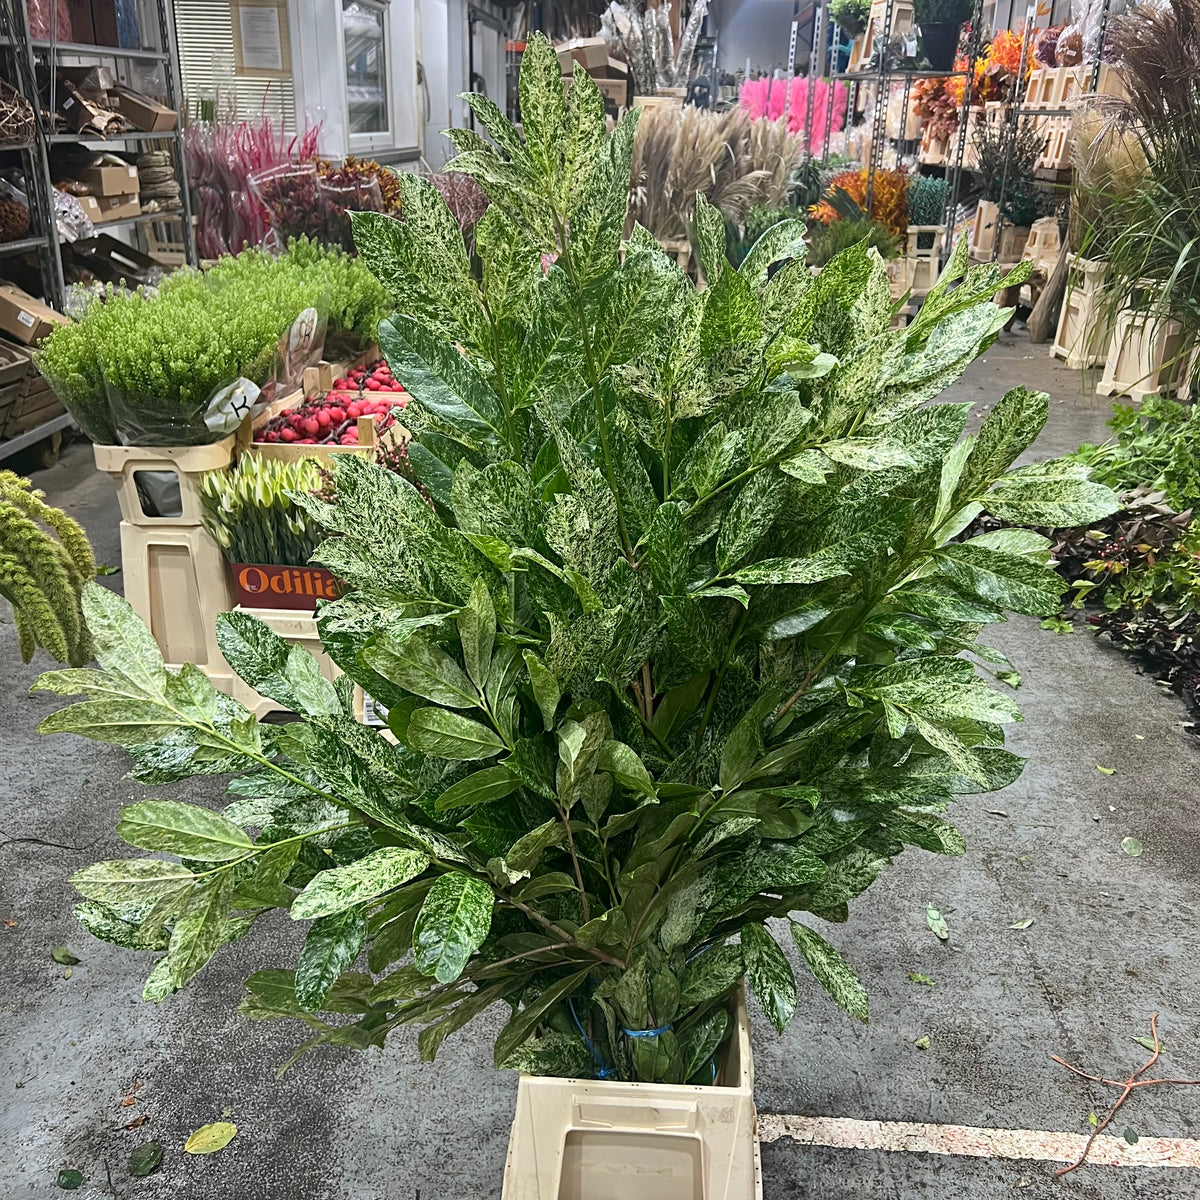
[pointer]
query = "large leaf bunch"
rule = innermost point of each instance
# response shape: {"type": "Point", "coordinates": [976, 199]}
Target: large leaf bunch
{"type": "Point", "coordinates": [679, 656]}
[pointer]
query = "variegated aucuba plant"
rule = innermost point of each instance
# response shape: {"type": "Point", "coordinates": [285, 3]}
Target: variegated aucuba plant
{"type": "Point", "coordinates": [679, 655]}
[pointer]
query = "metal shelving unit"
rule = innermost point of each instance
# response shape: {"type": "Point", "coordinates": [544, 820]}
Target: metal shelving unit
{"type": "Point", "coordinates": [23, 55]}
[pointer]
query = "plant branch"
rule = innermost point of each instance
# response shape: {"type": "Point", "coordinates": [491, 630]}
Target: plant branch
{"type": "Point", "coordinates": [1127, 1086]}
{"type": "Point", "coordinates": [559, 931]}
{"type": "Point", "coordinates": [565, 817]}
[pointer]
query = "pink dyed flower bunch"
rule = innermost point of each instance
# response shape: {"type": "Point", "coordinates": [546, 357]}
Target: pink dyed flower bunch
{"type": "Point", "coordinates": [766, 98]}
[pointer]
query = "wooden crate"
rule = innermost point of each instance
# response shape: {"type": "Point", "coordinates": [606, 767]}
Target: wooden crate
{"type": "Point", "coordinates": [1056, 154]}
{"type": "Point", "coordinates": [368, 440]}
{"type": "Point", "coordinates": [36, 404]}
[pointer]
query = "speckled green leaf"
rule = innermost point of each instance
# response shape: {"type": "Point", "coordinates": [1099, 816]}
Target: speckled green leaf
{"type": "Point", "coordinates": [448, 735]}
{"type": "Point", "coordinates": [546, 691]}
{"type": "Point", "coordinates": [781, 241]}
{"type": "Point", "coordinates": [709, 224]}
{"type": "Point", "coordinates": [477, 633]}
{"type": "Point", "coordinates": [771, 978]}
{"type": "Point", "coordinates": [751, 514]}
{"type": "Point", "coordinates": [542, 104]}
{"type": "Point", "coordinates": [523, 1023]}
{"type": "Point", "coordinates": [422, 668]}
{"type": "Point", "coordinates": [451, 925]}
{"type": "Point", "coordinates": [440, 379]}
{"type": "Point", "coordinates": [341, 887]}
{"type": "Point", "coordinates": [183, 829]}
{"type": "Point", "coordinates": [1006, 580]}
{"type": "Point", "coordinates": [868, 454]}
{"type": "Point", "coordinates": [667, 550]}
{"type": "Point", "coordinates": [560, 1054]}
{"type": "Point", "coordinates": [123, 646]}
{"type": "Point", "coordinates": [1010, 428]}
{"type": "Point", "coordinates": [622, 762]}
{"type": "Point", "coordinates": [123, 722]}
{"type": "Point", "coordinates": [1036, 496]}
{"type": "Point", "coordinates": [710, 975]}
{"type": "Point", "coordinates": [199, 931]}
{"type": "Point", "coordinates": [831, 971]}
{"type": "Point", "coordinates": [133, 880]}
{"type": "Point", "coordinates": [332, 944]}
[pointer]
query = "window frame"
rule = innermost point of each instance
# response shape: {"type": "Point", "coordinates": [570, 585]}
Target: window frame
{"type": "Point", "coordinates": [364, 144]}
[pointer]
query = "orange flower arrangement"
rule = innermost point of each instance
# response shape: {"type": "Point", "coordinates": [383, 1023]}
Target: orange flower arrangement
{"type": "Point", "coordinates": [889, 204]}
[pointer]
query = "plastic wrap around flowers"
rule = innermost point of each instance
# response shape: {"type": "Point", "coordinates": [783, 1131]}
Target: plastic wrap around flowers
{"type": "Point", "coordinates": [765, 98]}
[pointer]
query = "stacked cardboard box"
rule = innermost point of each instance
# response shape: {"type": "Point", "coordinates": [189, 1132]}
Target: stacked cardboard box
{"type": "Point", "coordinates": [108, 189]}
{"type": "Point", "coordinates": [611, 75]}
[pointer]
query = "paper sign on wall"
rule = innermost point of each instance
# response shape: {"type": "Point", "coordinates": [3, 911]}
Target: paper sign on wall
{"type": "Point", "coordinates": [260, 38]}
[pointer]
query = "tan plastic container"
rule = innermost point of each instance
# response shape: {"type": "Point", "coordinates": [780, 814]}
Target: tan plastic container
{"type": "Point", "coordinates": [924, 261]}
{"type": "Point", "coordinates": [188, 463]}
{"type": "Point", "coordinates": [1144, 357]}
{"type": "Point", "coordinates": [589, 1139]}
{"type": "Point", "coordinates": [983, 229]}
{"type": "Point", "coordinates": [1081, 339]}
{"type": "Point", "coordinates": [176, 581]}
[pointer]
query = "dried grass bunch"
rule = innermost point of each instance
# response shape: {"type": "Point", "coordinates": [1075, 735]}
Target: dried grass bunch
{"type": "Point", "coordinates": [736, 162]}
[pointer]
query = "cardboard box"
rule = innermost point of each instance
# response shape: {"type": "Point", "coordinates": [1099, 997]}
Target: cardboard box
{"type": "Point", "coordinates": [118, 208]}
{"type": "Point", "coordinates": [144, 112]}
{"type": "Point", "coordinates": [109, 180]}
{"type": "Point", "coordinates": [24, 318]}
{"type": "Point", "coordinates": [91, 208]}
{"type": "Point", "coordinates": [614, 90]}
{"type": "Point", "coordinates": [591, 52]}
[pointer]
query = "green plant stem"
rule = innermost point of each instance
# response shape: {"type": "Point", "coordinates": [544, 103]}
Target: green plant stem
{"type": "Point", "coordinates": [719, 678]}
{"type": "Point", "coordinates": [565, 817]}
{"type": "Point", "coordinates": [558, 930]}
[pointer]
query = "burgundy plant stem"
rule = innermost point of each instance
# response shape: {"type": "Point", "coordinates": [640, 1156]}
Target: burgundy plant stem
{"type": "Point", "coordinates": [1127, 1086]}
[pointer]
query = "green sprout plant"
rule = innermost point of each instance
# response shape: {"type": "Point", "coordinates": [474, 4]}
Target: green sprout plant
{"type": "Point", "coordinates": [679, 656]}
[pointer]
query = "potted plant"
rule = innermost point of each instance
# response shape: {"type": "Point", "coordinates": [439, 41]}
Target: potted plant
{"type": "Point", "coordinates": [1007, 158]}
{"type": "Point", "coordinates": [677, 649]}
{"type": "Point", "coordinates": [940, 22]}
{"type": "Point", "coordinates": [851, 16]}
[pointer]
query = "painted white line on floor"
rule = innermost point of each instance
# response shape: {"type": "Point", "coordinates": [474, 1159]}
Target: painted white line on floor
{"type": "Point", "coordinates": [844, 1133]}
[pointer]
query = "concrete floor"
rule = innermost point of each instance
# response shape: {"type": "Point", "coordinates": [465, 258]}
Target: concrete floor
{"type": "Point", "coordinates": [1113, 940]}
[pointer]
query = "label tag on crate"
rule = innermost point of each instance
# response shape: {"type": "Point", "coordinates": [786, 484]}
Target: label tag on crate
{"type": "Point", "coordinates": [374, 713]}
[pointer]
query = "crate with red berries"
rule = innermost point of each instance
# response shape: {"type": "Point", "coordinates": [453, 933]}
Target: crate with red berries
{"type": "Point", "coordinates": [355, 415]}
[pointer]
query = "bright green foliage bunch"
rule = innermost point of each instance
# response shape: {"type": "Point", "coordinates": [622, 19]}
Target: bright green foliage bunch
{"type": "Point", "coordinates": [684, 644]}
{"type": "Point", "coordinates": [45, 560]}
{"type": "Point", "coordinates": [1157, 445]}
{"type": "Point", "coordinates": [159, 356]}
{"type": "Point", "coordinates": [251, 515]}
{"type": "Point", "coordinates": [828, 241]}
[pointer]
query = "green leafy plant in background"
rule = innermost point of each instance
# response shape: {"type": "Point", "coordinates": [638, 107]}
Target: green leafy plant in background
{"type": "Point", "coordinates": [1157, 445]}
{"type": "Point", "coordinates": [158, 356]}
{"type": "Point", "coordinates": [827, 241]}
{"type": "Point", "coordinates": [850, 16]}
{"type": "Point", "coordinates": [926, 206]}
{"type": "Point", "coordinates": [250, 513]}
{"type": "Point", "coordinates": [683, 645]}
{"type": "Point", "coordinates": [45, 559]}
{"type": "Point", "coordinates": [941, 12]}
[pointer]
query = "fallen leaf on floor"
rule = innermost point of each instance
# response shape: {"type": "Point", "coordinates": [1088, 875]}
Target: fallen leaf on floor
{"type": "Point", "coordinates": [70, 1179]}
{"type": "Point", "coordinates": [61, 954]}
{"type": "Point", "coordinates": [1024, 923]}
{"type": "Point", "coordinates": [227, 1111]}
{"type": "Point", "coordinates": [1106, 770]}
{"type": "Point", "coordinates": [922, 1043]}
{"type": "Point", "coordinates": [995, 812]}
{"type": "Point", "coordinates": [936, 922]}
{"type": "Point", "coordinates": [145, 1159]}
{"type": "Point", "coordinates": [1131, 846]}
{"type": "Point", "coordinates": [105, 569]}
{"type": "Point", "coordinates": [136, 1123]}
{"type": "Point", "coordinates": [1093, 1120]}
{"type": "Point", "coordinates": [1024, 1182]}
{"type": "Point", "coordinates": [1131, 1136]}
{"type": "Point", "coordinates": [9, 923]}
{"type": "Point", "coordinates": [917, 977]}
{"type": "Point", "coordinates": [1096, 817]}
{"type": "Point", "coordinates": [1141, 737]}
{"type": "Point", "coordinates": [128, 1101]}
{"type": "Point", "coordinates": [68, 972]}
{"type": "Point", "coordinates": [1148, 1043]}
{"type": "Point", "coordinates": [208, 1139]}
{"type": "Point", "coordinates": [1111, 809]}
